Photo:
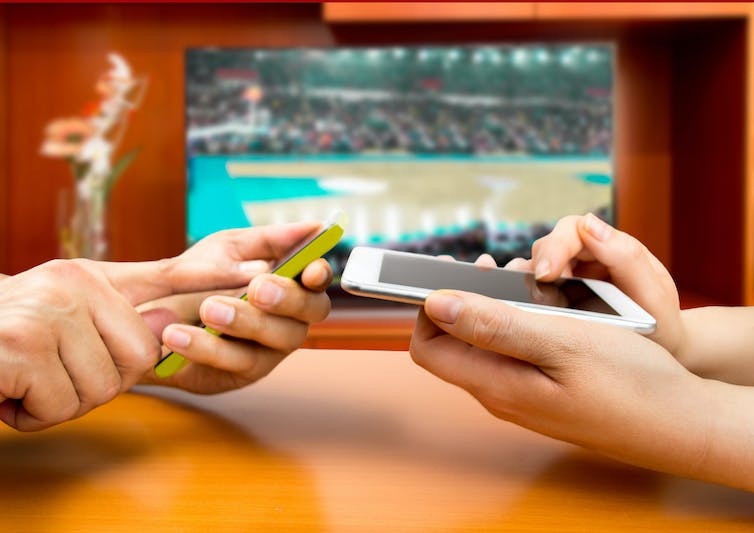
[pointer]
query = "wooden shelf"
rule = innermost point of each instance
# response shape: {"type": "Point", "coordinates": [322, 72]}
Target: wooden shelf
{"type": "Point", "coordinates": [426, 11]}
{"type": "Point", "coordinates": [360, 329]}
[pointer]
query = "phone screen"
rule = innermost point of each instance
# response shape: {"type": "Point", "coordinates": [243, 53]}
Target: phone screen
{"type": "Point", "coordinates": [433, 274]}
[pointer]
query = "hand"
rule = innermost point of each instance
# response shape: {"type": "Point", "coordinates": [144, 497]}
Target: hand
{"type": "Point", "coordinates": [585, 246]}
{"type": "Point", "coordinates": [258, 333]}
{"type": "Point", "coordinates": [598, 386]}
{"type": "Point", "coordinates": [70, 338]}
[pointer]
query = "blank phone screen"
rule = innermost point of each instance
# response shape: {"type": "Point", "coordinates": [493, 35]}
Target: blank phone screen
{"type": "Point", "coordinates": [433, 274]}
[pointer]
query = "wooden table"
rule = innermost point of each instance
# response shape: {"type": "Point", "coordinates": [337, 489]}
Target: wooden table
{"type": "Point", "coordinates": [333, 441]}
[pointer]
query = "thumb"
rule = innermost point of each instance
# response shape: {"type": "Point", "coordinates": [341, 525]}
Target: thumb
{"type": "Point", "coordinates": [495, 326]}
{"type": "Point", "coordinates": [145, 281]}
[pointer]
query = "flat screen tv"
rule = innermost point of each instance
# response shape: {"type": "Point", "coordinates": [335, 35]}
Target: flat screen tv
{"type": "Point", "coordinates": [458, 150]}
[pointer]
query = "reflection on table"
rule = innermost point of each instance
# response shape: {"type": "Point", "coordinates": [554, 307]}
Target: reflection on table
{"type": "Point", "coordinates": [333, 441]}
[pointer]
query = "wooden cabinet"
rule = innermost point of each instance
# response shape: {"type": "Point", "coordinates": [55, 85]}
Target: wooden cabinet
{"type": "Point", "coordinates": [684, 163]}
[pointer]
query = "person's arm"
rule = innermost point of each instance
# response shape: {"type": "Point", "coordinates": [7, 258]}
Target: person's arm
{"type": "Point", "coordinates": [720, 343]}
{"type": "Point", "coordinates": [601, 387]}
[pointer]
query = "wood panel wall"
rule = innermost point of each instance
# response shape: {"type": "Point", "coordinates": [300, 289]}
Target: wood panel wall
{"type": "Point", "coordinates": [4, 178]}
{"type": "Point", "coordinates": [708, 123]}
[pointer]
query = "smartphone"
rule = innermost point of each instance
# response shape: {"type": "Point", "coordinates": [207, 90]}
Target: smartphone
{"type": "Point", "coordinates": [410, 278]}
{"type": "Point", "coordinates": [311, 248]}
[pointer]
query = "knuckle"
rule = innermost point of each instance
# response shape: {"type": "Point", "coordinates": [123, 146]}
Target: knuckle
{"type": "Point", "coordinates": [634, 249]}
{"type": "Point", "coordinates": [295, 337]}
{"type": "Point", "coordinates": [489, 328]}
{"type": "Point", "coordinates": [67, 409]}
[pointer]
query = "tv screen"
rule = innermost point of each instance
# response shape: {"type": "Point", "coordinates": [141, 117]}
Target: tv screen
{"type": "Point", "coordinates": [458, 150]}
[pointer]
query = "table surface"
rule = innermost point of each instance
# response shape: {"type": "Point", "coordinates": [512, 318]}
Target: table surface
{"type": "Point", "coordinates": [333, 441]}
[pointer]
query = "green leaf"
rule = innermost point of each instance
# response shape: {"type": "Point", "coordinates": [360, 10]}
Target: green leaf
{"type": "Point", "coordinates": [118, 168]}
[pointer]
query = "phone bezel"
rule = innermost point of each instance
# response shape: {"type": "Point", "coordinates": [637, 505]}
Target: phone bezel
{"type": "Point", "coordinates": [361, 277]}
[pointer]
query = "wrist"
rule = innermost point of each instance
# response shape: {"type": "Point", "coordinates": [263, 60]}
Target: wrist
{"type": "Point", "coordinates": [684, 348]}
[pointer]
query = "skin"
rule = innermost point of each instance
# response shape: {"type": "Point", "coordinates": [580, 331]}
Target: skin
{"type": "Point", "coordinates": [637, 399]}
{"type": "Point", "coordinates": [76, 333]}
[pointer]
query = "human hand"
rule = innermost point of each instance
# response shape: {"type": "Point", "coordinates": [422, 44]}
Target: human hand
{"type": "Point", "coordinates": [257, 333]}
{"type": "Point", "coordinates": [585, 246]}
{"type": "Point", "coordinates": [602, 387]}
{"type": "Point", "coordinates": [71, 339]}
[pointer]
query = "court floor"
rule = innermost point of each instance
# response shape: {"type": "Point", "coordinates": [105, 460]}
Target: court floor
{"type": "Point", "coordinates": [399, 198]}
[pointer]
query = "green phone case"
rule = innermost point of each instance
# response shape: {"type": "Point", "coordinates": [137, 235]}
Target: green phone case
{"type": "Point", "coordinates": [290, 267]}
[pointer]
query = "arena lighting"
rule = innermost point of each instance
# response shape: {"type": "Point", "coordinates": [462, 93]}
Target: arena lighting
{"type": "Point", "coordinates": [520, 57]}
{"type": "Point", "coordinates": [593, 56]}
{"type": "Point", "coordinates": [454, 55]}
{"type": "Point", "coordinates": [495, 57]}
{"type": "Point", "coordinates": [373, 55]}
{"type": "Point", "coordinates": [543, 56]}
{"type": "Point", "coordinates": [566, 58]}
{"type": "Point", "coordinates": [423, 55]}
{"type": "Point", "coordinates": [399, 53]}
{"type": "Point", "coordinates": [478, 57]}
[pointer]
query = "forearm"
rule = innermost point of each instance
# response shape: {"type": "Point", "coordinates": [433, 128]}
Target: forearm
{"type": "Point", "coordinates": [690, 427]}
{"type": "Point", "coordinates": [719, 343]}
{"type": "Point", "coordinates": [729, 457]}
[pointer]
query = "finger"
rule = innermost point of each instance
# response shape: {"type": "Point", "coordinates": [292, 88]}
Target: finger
{"type": "Point", "coordinates": [129, 341]}
{"type": "Point", "coordinates": [271, 242]}
{"type": "Point", "coordinates": [50, 399]}
{"type": "Point", "coordinates": [193, 272]}
{"type": "Point", "coordinates": [489, 324]}
{"type": "Point", "coordinates": [630, 265]}
{"type": "Point", "coordinates": [249, 360]}
{"type": "Point", "coordinates": [481, 372]}
{"type": "Point", "coordinates": [89, 366]}
{"type": "Point", "coordinates": [552, 254]}
{"type": "Point", "coordinates": [485, 260]}
{"type": "Point", "coordinates": [424, 328]}
{"type": "Point", "coordinates": [284, 297]}
{"type": "Point", "coordinates": [239, 319]}
{"type": "Point", "coordinates": [317, 276]}
{"type": "Point", "coordinates": [520, 264]}
{"type": "Point", "coordinates": [142, 282]}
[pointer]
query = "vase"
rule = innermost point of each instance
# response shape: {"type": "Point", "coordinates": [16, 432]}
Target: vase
{"type": "Point", "coordinates": [83, 224]}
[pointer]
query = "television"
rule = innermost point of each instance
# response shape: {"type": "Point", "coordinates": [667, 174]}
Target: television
{"type": "Point", "coordinates": [458, 150]}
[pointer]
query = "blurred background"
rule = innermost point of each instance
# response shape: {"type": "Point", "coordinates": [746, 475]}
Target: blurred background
{"type": "Point", "coordinates": [455, 128]}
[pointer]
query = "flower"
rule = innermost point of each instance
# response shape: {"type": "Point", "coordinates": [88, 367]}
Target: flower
{"type": "Point", "coordinates": [88, 143]}
{"type": "Point", "coordinates": [66, 136]}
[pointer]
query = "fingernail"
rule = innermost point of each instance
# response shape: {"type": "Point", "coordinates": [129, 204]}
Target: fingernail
{"type": "Point", "coordinates": [597, 227]}
{"type": "Point", "coordinates": [254, 266]}
{"type": "Point", "coordinates": [542, 268]}
{"type": "Point", "coordinates": [268, 293]}
{"type": "Point", "coordinates": [177, 338]}
{"type": "Point", "coordinates": [218, 313]}
{"type": "Point", "coordinates": [443, 307]}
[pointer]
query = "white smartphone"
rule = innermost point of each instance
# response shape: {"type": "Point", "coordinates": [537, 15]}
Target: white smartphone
{"type": "Point", "coordinates": [410, 278]}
